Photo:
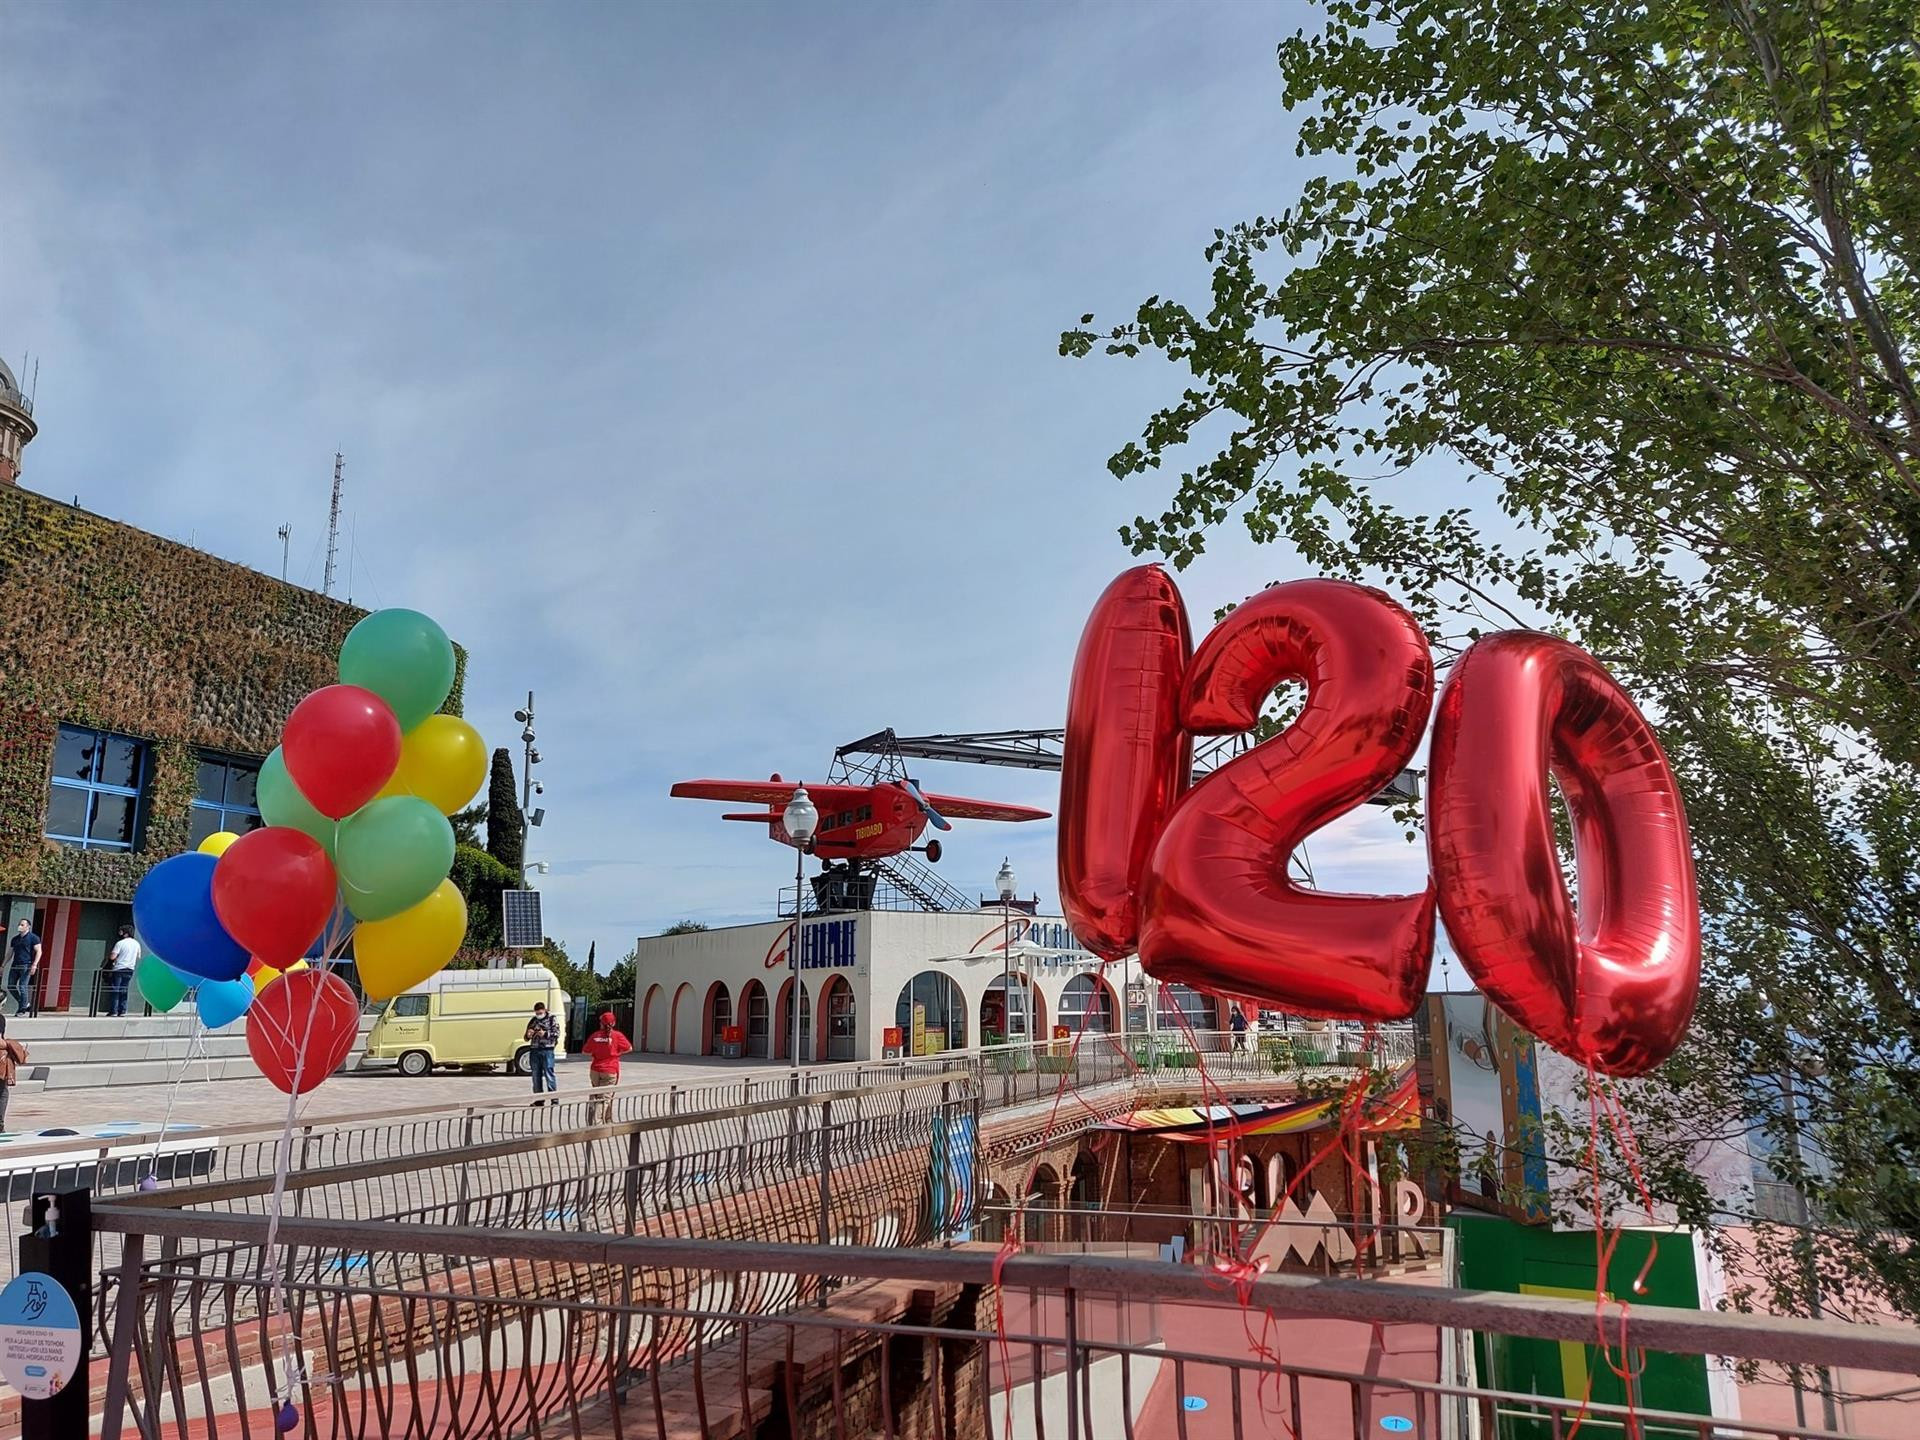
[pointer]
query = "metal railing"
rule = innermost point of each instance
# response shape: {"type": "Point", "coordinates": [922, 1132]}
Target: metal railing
{"type": "Point", "coordinates": [430, 1331]}
{"type": "Point", "coordinates": [1342, 1244]}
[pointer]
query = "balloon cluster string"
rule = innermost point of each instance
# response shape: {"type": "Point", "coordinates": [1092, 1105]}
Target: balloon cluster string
{"type": "Point", "coordinates": [277, 1295]}
{"type": "Point", "coordinates": [195, 1043]}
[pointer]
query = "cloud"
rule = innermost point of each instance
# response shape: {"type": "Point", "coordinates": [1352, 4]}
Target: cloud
{"type": "Point", "coordinates": [695, 366]}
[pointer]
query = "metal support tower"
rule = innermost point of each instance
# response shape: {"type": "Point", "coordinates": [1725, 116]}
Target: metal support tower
{"type": "Point", "coordinates": [333, 522]}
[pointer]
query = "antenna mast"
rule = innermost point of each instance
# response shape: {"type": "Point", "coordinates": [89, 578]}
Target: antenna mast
{"type": "Point", "coordinates": [286, 536]}
{"type": "Point", "coordinates": [333, 522]}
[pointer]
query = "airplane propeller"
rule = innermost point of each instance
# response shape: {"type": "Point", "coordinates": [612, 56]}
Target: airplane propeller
{"type": "Point", "coordinates": [940, 822]}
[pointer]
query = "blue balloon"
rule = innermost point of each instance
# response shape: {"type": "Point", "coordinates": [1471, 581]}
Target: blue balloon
{"type": "Point", "coordinates": [222, 1002]}
{"type": "Point", "coordinates": [173, 911]}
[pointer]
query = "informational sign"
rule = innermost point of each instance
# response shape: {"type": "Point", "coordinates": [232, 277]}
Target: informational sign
{"type": "Point", "coordinates": [893, 1037]}
{"type": "Point", "coordinates": [919, 1028]}
{"type": "Point", "coordinates": [39, 1335]}
{"type": "Point", "coordinates": [732, 1034]}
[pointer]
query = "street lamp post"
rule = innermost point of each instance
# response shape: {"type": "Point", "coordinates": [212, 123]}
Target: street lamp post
{"type": "Point", "coordinates": [800, 820]}
{"type": "Point", "coordinates": [1004, 881]}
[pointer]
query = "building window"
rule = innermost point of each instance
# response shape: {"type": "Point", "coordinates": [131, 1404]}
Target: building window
{"type": "Point", "coordinates": [1087, 1004]}
{"type": "Point", "coordinates": [1184, 1008]}
{"type": "Point", "coordinates": [98, 778]}
{"type": "Point", "coordinates": [224, 798]}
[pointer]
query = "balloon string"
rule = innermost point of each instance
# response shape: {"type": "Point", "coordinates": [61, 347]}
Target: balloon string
{"type": "Point", "coordinates": [194, 1044]}
{"type": "Point", "coordinates": [277, 1296]}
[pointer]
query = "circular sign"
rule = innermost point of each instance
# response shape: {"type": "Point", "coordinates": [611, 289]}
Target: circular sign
{"type": "Point", "coordinates": [1193, 1402]}
{"type": "Point", "coordinates": [39, 1335]}
{"type": "Point", "coordinates": [1395, 1424]}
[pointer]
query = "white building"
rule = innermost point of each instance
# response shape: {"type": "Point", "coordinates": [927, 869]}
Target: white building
{"type": "Point", "coordinates": [934, 978]}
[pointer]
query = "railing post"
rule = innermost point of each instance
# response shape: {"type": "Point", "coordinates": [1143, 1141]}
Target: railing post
{"type": "Point", "coordinates": [1072, 1337]}
{"type": "Point", "coordinates": [466, 1140]}
{"type": "Point", "coordinates": [673, 1131]}
{"type": "Point", "coordinates": [126, 1329]}
{"type": "Point", "coordinates": [825, 1233]}
{"type": "Point", "coordinates": [633, 1182]}
{"type": "Point", "coordinates": [746, 1129]}
{"type": "Point", "coordinates": [60, 1246]}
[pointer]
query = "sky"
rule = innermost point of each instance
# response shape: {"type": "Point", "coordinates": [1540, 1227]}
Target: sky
{"type": "Point", "coordinates": [696, 366]}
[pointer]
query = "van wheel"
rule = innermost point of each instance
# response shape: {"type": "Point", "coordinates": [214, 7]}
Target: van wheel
{"type": "Point", "coordinates": [523, 1061]}
{"type": "Point", "coordinates": [415, 1063]}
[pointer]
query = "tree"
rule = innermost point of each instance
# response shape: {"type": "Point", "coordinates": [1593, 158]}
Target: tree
{"type": "Point", "coordinates": [684, 927]}
{"type": "Point", "coordinates": [480, 878]}
{"type": "Point", "coordinates": [576, 980]}
{"type": "Point", "coordinates": [506, 822]}
{"type": "Point", "coordinates": [621, 979]}
{"type": "Point", "coordinates": [1645, 275]}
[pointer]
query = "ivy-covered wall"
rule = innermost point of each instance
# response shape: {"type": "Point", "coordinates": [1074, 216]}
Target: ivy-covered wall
{"type": "Point", "coordinates": [107, 626]}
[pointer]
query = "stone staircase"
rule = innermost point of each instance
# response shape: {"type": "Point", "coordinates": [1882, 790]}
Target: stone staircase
{"type": "Point", "coordinates": [92, 1051]}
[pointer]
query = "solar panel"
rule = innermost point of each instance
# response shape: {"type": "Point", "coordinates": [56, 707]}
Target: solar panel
{"type": "Point", "coordinates": [520, 918]}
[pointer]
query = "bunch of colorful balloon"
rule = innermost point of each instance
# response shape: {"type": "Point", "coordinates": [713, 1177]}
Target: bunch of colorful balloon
{"type": "Point", "coordinates": [356, 840]}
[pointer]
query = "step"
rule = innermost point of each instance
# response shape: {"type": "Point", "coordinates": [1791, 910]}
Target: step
{"type": "Point", "coordinates": [146, 1050]}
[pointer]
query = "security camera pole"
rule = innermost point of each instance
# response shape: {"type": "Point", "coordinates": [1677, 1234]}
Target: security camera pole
{"type": "Point", "coordinates": [529, 817]}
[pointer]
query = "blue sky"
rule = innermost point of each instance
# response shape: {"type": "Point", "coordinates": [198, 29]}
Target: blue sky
{"type": "Point", "coordinates": [695, 365]}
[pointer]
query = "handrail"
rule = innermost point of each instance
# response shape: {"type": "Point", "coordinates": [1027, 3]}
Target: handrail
{"type": "Point", "coordinates": [309, 1179]}
{"type": "Point", "coordinates": [1784, 1340]}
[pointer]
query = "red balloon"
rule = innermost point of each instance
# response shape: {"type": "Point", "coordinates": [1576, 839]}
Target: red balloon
{"type": "Point", "coordinates": [341, 745]}
{"type": "Point", "coordinates": [274, 891]}
{"type": "Point", "coordinates": [301, 1029]}
{"type": "Point", "coordinates": [1219, 910]}
{"type": "Point", "coordinates": [1614, 983]}
{"type": "Point", "coordinates": [1126, 759]}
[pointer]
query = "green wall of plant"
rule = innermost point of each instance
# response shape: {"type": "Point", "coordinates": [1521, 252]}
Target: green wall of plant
{"type": "Point", "coordinates": [108, 626]}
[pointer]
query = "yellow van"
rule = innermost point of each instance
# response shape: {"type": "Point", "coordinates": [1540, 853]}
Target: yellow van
{"type": "Point", "coordinates": [465, 1018]}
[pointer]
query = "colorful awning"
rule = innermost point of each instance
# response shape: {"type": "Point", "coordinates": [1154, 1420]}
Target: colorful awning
{"type": "Point", "coordinates": [1397, 1109]}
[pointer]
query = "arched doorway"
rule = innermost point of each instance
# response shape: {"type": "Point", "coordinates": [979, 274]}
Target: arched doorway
{"type": "Point", "coordinates": [1087, 1003]}
{"type": "Point", "coordinates": [1012, 1013]}
{"type": "Point", "coordinates": [932, 1014]}
{"type": "Point", "coordinates": [686, 1022]}
{"type": "Point", "coordinates": [783, 1023]}
{"type": "Point", "coordinates": [1083, 1194]}
{"type": "Point", "coordinates": [837, 1019]}
{"type": "Point", "coordinates": [994, 1214]}
{"type": "Point", "coordinates": [1043, 1198]}
{"type": "Point", "coordinates": [756, 1017]}
{"type": "Point", "coordinates": [719, 1008]}
{"type": "Point", "coordinates": [653, 1021]}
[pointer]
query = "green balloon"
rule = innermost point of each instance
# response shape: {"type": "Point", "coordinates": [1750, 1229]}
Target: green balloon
{"type": "Point", "coordinates": [404, 658]}
{"type": "Point", "coordinates": [161, 986]}
{"type": "Point", "coordinates": [281, 802]}
{"type": "Point", "coordinates": [393, 853]}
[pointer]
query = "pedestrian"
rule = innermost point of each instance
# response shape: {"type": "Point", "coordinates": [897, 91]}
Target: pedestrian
{"type": "Point", "coordinates": [606, 1045]}
{"type": "Point", "coordinates": [12, 1056]}
{"type": "Point", "coordinates": [125, 955]}
{"type": "Point", "coordinates": [543, 1038]}
{"type": "Point", "coordinates": [23, 966]}
{"type": "Point", "coordinates": [1239, 1028]}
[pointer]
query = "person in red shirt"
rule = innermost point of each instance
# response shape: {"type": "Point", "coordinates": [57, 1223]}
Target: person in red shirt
{"type": "Point", "coordinates": [605, 1046]}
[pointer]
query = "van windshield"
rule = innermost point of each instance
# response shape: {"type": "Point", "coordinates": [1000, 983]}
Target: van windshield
{"type": "Point", "coordinates": [407, 1006]}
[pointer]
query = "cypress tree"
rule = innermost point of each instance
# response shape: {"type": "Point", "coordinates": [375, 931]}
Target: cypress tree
{"type": "Point", "coordinates": [506, 824]}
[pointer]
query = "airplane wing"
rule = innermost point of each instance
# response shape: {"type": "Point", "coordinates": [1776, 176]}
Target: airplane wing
{"type": "Point", "coordinates": [753, 792]}
{"type": "Point", "coordinates": [959, 808]}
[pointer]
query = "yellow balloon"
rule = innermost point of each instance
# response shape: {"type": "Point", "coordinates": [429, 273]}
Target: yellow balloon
{"type": "Point", "coordinates": [263, 977]}
{"type": "Point", "coordinates": [443, 761]}
{"type": "Point", "coordinates": [399, 952]}
{"type": "Point", "coordinates": [297, 965]}
{"type": "Point", "coordinates": [217, 843]}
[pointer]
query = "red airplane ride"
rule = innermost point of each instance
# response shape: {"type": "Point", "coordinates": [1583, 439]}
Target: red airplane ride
{"type": "Point", "coordinates": [857, 822]}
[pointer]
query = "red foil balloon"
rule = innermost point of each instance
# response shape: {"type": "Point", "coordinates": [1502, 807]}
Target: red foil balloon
{"type": "Point", "coordinates": [1219, 911]}
{"type": "Point", "coordinates": [1612, 984]}
{"type": "Point", "coordinates": [1127, 758]}
{"type": "Point", "coordinates": [301, 1028]}
{"type": "Point", "coordinates": [341, 745]}
{"type": "Point", "coordinates": [274, 891]}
